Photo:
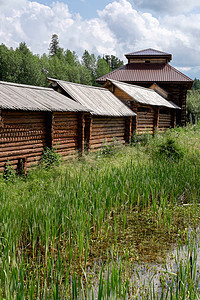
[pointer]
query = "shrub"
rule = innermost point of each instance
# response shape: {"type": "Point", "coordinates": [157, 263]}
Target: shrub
{"type": "Point", "coordinates": [169, 148]}
{"type": "Point", "coordinates": [9, 172]}
{"type": "Point", "coordinates": [108, 149]}
{"type": "Point", "coordinates": [141, 139]}
{"type": "Point", "coordinates": [50, 157]}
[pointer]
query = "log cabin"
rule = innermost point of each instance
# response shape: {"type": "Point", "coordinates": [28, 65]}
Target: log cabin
{"type": "Point", "coordinates": [149, 66]}
{"type": "Point", "coordinates": [109, 118]}
{"type": "Point", "coordinates": [153, 111]}
{"type": "Point", "coordinates": [32, 118]}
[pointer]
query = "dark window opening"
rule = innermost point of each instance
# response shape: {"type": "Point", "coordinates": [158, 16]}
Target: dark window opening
{"type": "Point", "coordinates": [147, 61]}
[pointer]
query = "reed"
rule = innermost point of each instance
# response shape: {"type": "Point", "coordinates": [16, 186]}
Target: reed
{"type": "Point", "coordinates": [55, 223]}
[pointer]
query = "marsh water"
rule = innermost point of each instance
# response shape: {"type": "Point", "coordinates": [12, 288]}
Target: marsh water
{"type": "Point", "coordinates": [150, 254]}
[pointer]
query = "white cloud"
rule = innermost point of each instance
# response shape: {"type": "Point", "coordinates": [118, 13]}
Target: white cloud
{"type": "Point", "coordinates": [167, 6]}
{"type": "Point", "coordinates": [119, 29]}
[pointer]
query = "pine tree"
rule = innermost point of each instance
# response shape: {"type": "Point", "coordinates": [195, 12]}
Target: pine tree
{"type": "Point", "coordinates": [54, 48]}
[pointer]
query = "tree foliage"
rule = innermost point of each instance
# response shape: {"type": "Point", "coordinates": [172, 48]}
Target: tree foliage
{"type": "Point", "coordinates": [193, 106]}
{"type": "Point", "coordinates": [22, 66]}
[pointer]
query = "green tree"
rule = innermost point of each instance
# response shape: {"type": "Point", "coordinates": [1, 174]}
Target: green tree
{"type": "Point", "coordinates": [54, 48]}
{"type": "Point", "coordinates": [89, 61]}
{"type": "Point", "coordinates": [193, 106]}
{"type": "Point", "coordinates": [102, 67]}
{"type": "Point", "coordinates": [29, 67]}
{"type": "Point", "coordinates": [85, 76]}
{"type": "Point", "coordinates": [113, 62]}
{"type": "Point", "coordinates": [196, 84]}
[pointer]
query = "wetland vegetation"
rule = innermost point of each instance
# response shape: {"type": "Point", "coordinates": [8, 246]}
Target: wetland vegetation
{"type": "Point", "coordinates": [87, 229]}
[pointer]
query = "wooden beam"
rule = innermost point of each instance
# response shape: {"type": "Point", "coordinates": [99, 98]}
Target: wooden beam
{"type": "Point", "coordinates": [90, 132]}
{"type": "Point", "coordinates": [156, 119]}
{"type": "Point", "coordinates": [81, 133]}
{"type": "Point", "coordinates": [173, 118]}
{"type": "Point", "coordinates": [128, 130]}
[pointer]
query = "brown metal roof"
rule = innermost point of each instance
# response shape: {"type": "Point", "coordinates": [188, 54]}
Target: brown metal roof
{"type": "Point", "coordinates": [31, 98]}
{"type": "Point", "coordinates": [143, 95]}
{"type": "Point", "coordinates": [99, 101]}
{"type": "Point", "coordinates": [148, 52]}
{"type": "Point", "coordinates": [153, 72]}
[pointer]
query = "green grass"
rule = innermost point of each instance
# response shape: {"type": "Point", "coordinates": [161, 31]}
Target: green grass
{"type": "Point", "coordinates": [57, 224]}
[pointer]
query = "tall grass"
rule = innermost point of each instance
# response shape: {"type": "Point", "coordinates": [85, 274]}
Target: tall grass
{"type": "Point", "coordinates": [51, 220]}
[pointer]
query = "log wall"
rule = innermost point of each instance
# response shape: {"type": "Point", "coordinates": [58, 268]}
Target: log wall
{"type": "Point", "coordinates": [165, 119]}
{"type": "Point", "coordinates": [145, 119]}
{"type": "Point", "coordinates": [22, 136]}
{"type": "Point", "coordinates": [148, 117]}
{"type": "Point", "coordinates": [104, 129]}
{"type": "Point", "coordinates": [65, 133]}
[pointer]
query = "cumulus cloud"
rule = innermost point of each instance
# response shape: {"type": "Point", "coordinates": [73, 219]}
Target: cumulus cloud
{"type": "Point", "coordinates": [119, 28]}
{"type": "Point", "coordinates": [167, 6]}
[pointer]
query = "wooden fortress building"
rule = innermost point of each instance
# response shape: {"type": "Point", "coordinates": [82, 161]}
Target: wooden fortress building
{"type": "Point", "coordinates": [147, 67]}
{"type": "Point", "coordinates": [145, 94]}
{"type": "Point", "coordinates": [108, 118]}
{"type": "Point", "coordinates": [153, 111]}
{"type": "Point", "coordinates": [32, 118]}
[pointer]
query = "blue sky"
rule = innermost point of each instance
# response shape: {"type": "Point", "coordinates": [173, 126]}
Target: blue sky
{"type": "Point", "coordinates": [107, 27]}
{"type": "Point", "coordinates": [86, 8]}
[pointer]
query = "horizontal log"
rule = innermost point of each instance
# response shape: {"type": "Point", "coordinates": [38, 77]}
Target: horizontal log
{"type": "Point", "coordinates": [67, 145]}
{"type": "Point", "coordinates": [20, 138]}
{"type": "Point", "coordinates": [12, 156]}
{"type": "Point", "coordinates": [62, 137]}
{"type": "Point", "coordinates": [21, 147]}
{"type": "Point", "coordinates": [21, 143]}
{"type": "Point", "coordinates": [68, 152]}
{"type": "Point", "coordinates": [109, 135]}
{"type": "Point", "coordinates": [58, 125]}
{"type": "Point", "coordinates": [23, 121]}
{"type": "Point", "coordinates": [65, 130]}
{"type": "Point", "coordinates": [67, 114]}
{"type": "Point", "coordinates": [109, 121]}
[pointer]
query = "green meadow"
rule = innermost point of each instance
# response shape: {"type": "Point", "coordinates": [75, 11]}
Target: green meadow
{"type": "Point", "coordinates": [81, 230]}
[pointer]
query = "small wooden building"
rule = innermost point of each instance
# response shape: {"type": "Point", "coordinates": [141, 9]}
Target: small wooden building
{"type": "Point", "coordinates": [150, 66]}
{"type": "Point", "coordinates": [109, 118]}
{"type": "Point", "coordinates": [153, 111]}
{"type": "Point", "coordinates": [32, 118]}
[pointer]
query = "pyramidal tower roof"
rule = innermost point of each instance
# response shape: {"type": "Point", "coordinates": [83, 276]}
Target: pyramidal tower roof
{"type": "Point", "coordinates": [149, 53]}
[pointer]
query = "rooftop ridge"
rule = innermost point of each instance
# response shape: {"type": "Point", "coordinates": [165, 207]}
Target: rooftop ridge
{"type": "Point", "coordinates": [77, 84]}
{"type": "Point", "coordinates": [25, 85]}
{"type": "Point", "coordinates": [148, 52]}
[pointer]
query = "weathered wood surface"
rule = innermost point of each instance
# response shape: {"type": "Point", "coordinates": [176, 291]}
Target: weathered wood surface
{"type": "Point", "coordinates": [65, 137]}
{"type": "Point", "coordinates": [105, 129]}
{"type": "Point", "coordinates": [22, 135]}
{"type": "Point", "coordinates": [165, 120]}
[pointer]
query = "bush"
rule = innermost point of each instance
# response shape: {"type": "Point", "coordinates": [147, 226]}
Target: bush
{"type": "Point", "coordinates": [108, 149]}
{"type": "Point", "coordinates": [141, 139]}
{"type": "Point", "coordinates": [169, 148]}
{"type": "Point", "coordinates": [9, 172]}
{"type": "Point", "coordinates": [50, 157]}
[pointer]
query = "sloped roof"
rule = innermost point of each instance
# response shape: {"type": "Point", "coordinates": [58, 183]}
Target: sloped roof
{"type": "Point", "coordinates": [148, 52]}
{"type": "Point", "coordinates": [153, 72]}
{"type": "Point", "coordinates": [32, 98]}
{"type": "Point", "coordinates": [144, 95]}
{"type": "Point", "coordinates": [99, 101]}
